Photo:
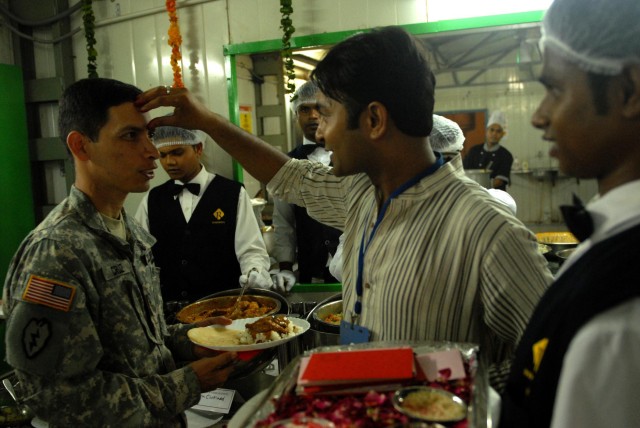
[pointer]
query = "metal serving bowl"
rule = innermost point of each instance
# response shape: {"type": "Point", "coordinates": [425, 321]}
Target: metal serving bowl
{"type": "Point", "coordinates": [331, 308]}
{"type": "Point", "coordinates": [219, 306]}
{"type": "Point", "coordinates": [322, 333]}
{"type": "Point", "coordinates": [558, 241]}
{"type": "Point", "coordinates": [564, 254]}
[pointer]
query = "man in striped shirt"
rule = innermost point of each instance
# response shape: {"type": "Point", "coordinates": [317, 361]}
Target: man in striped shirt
{"type": "Point", "coordinates": [428, 254]}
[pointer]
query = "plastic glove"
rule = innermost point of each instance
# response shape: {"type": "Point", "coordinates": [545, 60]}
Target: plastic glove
{"type": "Point", "coordinates": [256, 278]}
{"type": "Point", "coordinates": [283, 280]}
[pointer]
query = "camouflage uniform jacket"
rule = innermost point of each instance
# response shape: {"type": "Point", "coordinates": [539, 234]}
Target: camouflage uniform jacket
{"type": "Point", "coordinates": [85, 329]}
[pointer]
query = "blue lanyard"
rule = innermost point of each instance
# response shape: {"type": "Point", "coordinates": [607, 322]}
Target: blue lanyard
{"type": "Point", "coordinates": [363, 249]}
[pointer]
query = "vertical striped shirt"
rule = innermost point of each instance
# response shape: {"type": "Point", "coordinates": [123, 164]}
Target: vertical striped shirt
{"type": "Point", "coordinates": [447, 263]}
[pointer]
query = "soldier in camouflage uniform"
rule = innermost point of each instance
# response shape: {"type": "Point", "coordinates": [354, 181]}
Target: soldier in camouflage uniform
{"type": "Point", "coordinates": [85, 329]}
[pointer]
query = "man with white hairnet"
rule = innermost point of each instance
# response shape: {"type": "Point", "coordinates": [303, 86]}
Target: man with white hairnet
{"type": "Point", "coordinates": [447, 138]}
{"type": "Point", "coordinates": [298, 237]}
{"type": "Point", "coordinates": [492, 155]}
{"type": "Point", "coordinates": [206, 231]}
{"type": "Point", "coordinates": [577, 362]}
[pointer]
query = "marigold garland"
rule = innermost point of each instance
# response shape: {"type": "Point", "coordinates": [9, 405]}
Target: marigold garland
{"type": "Point", "coordinates": [175, 40]}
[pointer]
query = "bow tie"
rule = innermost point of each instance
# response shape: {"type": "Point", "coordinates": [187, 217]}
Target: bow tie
{"type": "Point", "coordinates": [578, 219]}
{"type": "Point", "coordinates": [307, 149]}
{"type": "Point", "coordinates": [192, 187]}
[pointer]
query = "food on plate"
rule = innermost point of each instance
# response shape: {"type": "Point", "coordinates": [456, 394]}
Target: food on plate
{"type": "Point", "coordinates": [267, 329]}
{"type": "Point", "coordinates": [556, 238]}
{"type": "Point", "coordinates": [333, 319]}
{"type": "Point", "coordinates": [248, 307]}
{"type": "Point", "coordinates": [434, 405]}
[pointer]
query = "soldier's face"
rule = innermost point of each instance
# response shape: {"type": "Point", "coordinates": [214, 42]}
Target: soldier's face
{"type": "Point", "coordinates": [123, 158]}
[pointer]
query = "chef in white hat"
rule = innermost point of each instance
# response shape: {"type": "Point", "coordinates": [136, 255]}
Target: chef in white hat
{"type": "Point", "coordinates": [491, 155]}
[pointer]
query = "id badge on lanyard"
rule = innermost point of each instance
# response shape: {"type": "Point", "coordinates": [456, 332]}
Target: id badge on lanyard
{"type": "Point", "coordinates": [351, 332]}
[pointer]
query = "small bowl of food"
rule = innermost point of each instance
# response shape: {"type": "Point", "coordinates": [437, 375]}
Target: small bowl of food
{"type": "Point", "coordinates": [329, 315]}
{"type": "Point", "coordinates": [430, 404]}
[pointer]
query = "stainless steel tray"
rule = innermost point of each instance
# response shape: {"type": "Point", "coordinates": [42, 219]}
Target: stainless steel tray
{"type": "Point", "coordinates": [479, 417]}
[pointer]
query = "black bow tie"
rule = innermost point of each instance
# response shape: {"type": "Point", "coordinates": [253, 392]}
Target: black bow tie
{"type": "Point", "coordinates": [192, 187]}
{"type": "Point", "coordinates": [578, 219]}
{"type": "Point", "coordinates": [307, 149]}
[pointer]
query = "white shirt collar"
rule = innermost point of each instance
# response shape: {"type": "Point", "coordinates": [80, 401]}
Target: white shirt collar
{"type": "Point", "coordinates": [615, 211]}
{"type": "Point", "coordinates": [320, 154]}
{"type": "Point", "coordinates": [612, 213]}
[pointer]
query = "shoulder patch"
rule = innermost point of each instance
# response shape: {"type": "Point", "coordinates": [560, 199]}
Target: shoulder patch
{"type": "Point", "coordinates": [48, 292]}
{"type": "Point", "coordinates": [35, 336]}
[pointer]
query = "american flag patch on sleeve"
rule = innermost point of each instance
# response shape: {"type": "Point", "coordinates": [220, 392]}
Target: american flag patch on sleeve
{"type": "Point", "coordinates": [48, 292]}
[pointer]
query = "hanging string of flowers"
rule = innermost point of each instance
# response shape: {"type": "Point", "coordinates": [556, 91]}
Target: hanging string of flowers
{"type": "Point", "coordinates": [89, 20]}
{"type": "Point", "coordinates": [286, 24]}
{"type": "Point", "coordinates": [175, 40]}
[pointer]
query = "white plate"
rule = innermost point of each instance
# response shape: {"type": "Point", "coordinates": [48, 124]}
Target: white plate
{"type": "Point", "coordinates": [239, 325]}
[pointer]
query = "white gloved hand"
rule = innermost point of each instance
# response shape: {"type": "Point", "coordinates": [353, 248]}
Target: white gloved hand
{"type": "Point", "coordinates": [256, 278]}
{"type": "Point", "coordinates": [283, 280]}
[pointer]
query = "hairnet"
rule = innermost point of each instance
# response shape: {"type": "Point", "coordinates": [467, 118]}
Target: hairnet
{"type": "Point", "coordinates": [599, 36]}
{"type": "Point", "coordinates": [173, 136]}
{"type": "Point", "coordinates": [306, 94]}
{"type": "Point", "coordinates": [504, 198]}
{"type": "Point", "coordinates": [497, 118]}
{"type": "Point", "coordinates": [446, 136]}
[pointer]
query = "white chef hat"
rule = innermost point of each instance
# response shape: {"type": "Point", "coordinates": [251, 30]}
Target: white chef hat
{"type": "Point", "coordinates": [306, 94]}
{"type": "Point", "coordinates": [599, 36]}
{"type": "Point", "coordinates": [497, 118]}
{"type": "Point", "coordinates": [446, 135]}
{"type": "Point", "coordinates": [164, 136]}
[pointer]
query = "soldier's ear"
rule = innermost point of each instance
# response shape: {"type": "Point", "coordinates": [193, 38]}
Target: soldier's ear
{"type": "Point", "coordinates": [77, 142]}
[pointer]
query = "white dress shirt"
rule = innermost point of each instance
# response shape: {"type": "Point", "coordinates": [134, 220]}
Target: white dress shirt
{"type": "Point", "coordinates": [600, 374]}
{"type": "Point", "coordinates": [249, 244]}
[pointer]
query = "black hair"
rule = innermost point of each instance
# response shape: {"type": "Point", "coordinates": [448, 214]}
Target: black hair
{"type": "Point", "coordinates": [387, 65]}
{"type": "Point", "coordinates": [84, 106]}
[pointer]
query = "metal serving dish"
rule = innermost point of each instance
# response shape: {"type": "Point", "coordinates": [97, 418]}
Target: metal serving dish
{"type": "Point", "coordinates": [219, 306]}
{"type": "Point", "coordinates": [480, 176]}
{"type": "Point", "coordinates": [331, 308]}
{"type": "Point", "coordinates": [564, 254]}
{"type": "Point", "coordinates": [321, 333]}
{"type": "Point", "coordinates": [557, 240]}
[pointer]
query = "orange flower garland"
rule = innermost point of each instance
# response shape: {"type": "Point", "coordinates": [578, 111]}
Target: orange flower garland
{"type": "Point", "coordinates": [175, 40]}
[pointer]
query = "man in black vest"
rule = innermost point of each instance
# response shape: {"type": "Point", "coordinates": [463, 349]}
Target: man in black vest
{"type": "Point", "coordinates": [298, 236]}
{"type": "Point", "coordinates": [206, 230]}
{"type": "Point", "coordinates": [577, 362]}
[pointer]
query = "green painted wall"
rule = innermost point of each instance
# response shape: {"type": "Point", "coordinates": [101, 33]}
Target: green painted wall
{"type": "Point", "coordinates": [16, 202]}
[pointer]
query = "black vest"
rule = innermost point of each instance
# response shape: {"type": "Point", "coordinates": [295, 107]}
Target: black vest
{"type": "Point", "coordinates": [602, 278]}
{"type": "Point", "coordinates": [314, 240]}
{"type": "Point", "coordinates": [196, 258]}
